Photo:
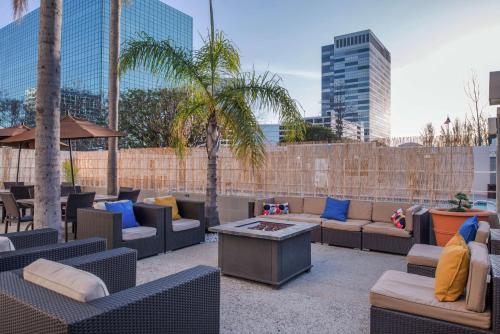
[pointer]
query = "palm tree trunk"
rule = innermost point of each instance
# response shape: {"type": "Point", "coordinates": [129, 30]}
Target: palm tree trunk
{"type": "Point", "coordinates": [211, 212]}
{"type": "Point", "coordinates": [113, 94]}
{"type": "Point", "coordinates": [47, 117]}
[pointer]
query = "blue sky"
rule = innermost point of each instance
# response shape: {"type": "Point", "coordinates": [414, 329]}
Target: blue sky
{"type": "Point", "coordinates": [434, 46]}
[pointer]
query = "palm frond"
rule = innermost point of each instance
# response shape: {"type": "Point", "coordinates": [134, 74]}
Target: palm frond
{"type": "Point", "coordinates": [239, 126]}
{"type": "Point", "coordinates": [160, 58]}
{"type": "Point", "coordinates": [19, 7]}
{"type": "Point", "coordinates": [265, 92]}
{"type": "Point", "coordinates": [226, 58]}
{"type": "Point", "coordinates": [190, 110]}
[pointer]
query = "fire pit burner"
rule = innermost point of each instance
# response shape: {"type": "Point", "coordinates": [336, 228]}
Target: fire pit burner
{"type": "Point", "coordinates": [269, 226]}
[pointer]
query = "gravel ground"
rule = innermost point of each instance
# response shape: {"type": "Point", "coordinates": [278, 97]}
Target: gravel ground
{"type": "Point", "coordinates": [332, 298]}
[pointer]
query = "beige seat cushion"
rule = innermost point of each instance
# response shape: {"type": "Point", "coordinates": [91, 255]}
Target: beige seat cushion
{"type": "Point", "coordinates": [184, 224]}
{"type": "Point", "coordinates": [353, 225]}
{"type": "Point", "coordinates": [382, 211]}
{"type": "Point", "coordinates": [483, 232]}
{"type": "Point", "coordinates": [424, 255]}
{"type": "Point", "coordinates": [6, 245]}
{"type": "Point", "coordinates": [477, 282]}
{"type": "Point", "coordinates": [303, 218]}
{"type": "Point", "coordinates": [295, 204]}
{"type": "Point", "coordinates": [139, 232]}
{"type": "Point", "coordinates": [65, 280]}
{"type": "Point", "coordinates": [386, 229]}
{"type": "Point", "coordinates": [280, 217]}
{"type": "Point", "coordinates": [409, 216]}
{"type": "Point", "coordinates": [314, 205]}
{"type": "Point", "coordinates": [414, 294]}
{"type": "Point", "coordinates": [360, 210]}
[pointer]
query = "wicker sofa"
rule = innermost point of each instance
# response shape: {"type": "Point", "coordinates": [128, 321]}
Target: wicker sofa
{"type": "Point", "coordinates": [148, 239]}
{"type": "Point", "coordinates": [56, 252]}
{"type": "Point", "coordinates": [368, 224]}
{"type": "Point", "coordinates": [186, 302]}
{"type": "Point", "coordinates": [405, 303]}
{"type": "Point", "coordinates": [187, 231]}
{"type": "Point", "coordinates": [423, 259]}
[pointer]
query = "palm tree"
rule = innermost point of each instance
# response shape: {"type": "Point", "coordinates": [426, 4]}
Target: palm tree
{"type": "Point", "coordinates": [113, 94]}
{"type": "Point", "coordinates": [220, 96]}
{"type": "Point", "coordinates": [47, 114]}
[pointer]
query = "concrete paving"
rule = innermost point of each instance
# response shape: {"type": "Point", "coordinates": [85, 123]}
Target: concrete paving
{"type": "Point", "coordinates": [332, 298]}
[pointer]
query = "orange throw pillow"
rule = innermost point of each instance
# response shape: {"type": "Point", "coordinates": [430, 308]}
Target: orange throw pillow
{"type": "Point", "coordinates": [171, 202]}
{"type": "Point", "coordinates": [452, 270]}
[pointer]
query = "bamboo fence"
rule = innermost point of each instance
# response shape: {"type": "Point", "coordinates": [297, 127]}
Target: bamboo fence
{"type": "Point", "coordinates": [354, 170]}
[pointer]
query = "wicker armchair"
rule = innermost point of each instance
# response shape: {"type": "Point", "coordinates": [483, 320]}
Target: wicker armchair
{"type": "Point", "coordinates": [108, 225]}
{"type": "Point", "coordinates": [186, 302]}
{"type": "Point", "coordinates": [180, 239]}
{"type": "Point", "coordinates": [55, 252]}
{"type": "Point", "coordinates": [386, 321]}
{"type": "Point", "coordinates": [33, 238]}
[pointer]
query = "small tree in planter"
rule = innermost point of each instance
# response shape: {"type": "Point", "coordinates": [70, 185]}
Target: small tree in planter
{"type": "Point", "coordinates": [461, 202]}
{"type": "Point", "coordinates": [447, 221]}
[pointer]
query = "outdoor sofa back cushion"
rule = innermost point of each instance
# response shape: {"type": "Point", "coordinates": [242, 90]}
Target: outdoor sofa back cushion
{"type": "Point", "coordinates": [314, 205]}
{"type": "Point", "coordinates": [335, 209]}
{"type": "Point", "coordinates": [6, 245]}
{"type": "Point", "coordinates": [409, 216]}
{"type": "Point", "coordinates": [382, 211]}
{"type": "Point", "coordinates": [126, 208]}
{"type": "Point", "coordinates": [295, 204]}
{"type": "Point", "coordinates": [452, 270]}
{"type": "Point", "coordinates": [65, 280]}
{"type": "Point", "coordinates": [477, 282]}
{"type": "Point", "coordinates": [468, 229]}
{"type": "Point", "coordinates": [170, 201]}
{"type": "Point", "coordinates": [361, 210]}
{"type": "Point", "coordinates": [483, 233]}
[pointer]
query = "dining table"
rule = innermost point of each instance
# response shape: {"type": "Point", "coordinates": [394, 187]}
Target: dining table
{"type": "Point", "coordinates": [64, 200]}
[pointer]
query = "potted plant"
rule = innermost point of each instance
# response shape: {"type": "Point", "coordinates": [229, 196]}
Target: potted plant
{"type": "Point", "coordinates": [447, 221]}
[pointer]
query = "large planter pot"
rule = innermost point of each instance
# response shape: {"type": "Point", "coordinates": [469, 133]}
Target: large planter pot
{"type": "Point", "coordinates": [446, 223]}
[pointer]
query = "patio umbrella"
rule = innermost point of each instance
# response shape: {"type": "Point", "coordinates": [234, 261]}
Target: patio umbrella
{"type": "Point", "coordinates": [11, 132]}
{"type": "Point", "coordinates": [71, 128]}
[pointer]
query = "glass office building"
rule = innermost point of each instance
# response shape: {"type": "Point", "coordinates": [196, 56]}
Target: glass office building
{"type": "Point", "coordinates": [356, 79]}
{"type": "Point", "coordinates": [84, 56]}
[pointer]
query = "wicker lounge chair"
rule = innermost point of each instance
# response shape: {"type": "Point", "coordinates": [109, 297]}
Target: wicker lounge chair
{"type": "Point", "coordinates": [33, 238]}
{"type": "Point", "coordinates": [186, 302]}
{"type": "Point", "coordinates": [179, 236]}
{"type": "Point", "coordinates": [187, 231]}
{"type": "Point", "coordinates": [422, 259]}
{"type": "Point", "coordinates": [405, 303]}
{"type": "Point", "coordinates": [55, 252]}
{"type": "Point", "coordinates": [108, 225]}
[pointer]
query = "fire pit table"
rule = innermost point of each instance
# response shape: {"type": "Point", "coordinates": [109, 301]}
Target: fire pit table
{"type": "Point", "coordinates": [265, 250]}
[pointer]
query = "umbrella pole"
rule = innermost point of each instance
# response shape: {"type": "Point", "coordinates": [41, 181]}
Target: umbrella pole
{"type": "Point", "coordinates": [18, 162]}
{"type": "Point", "coordinates": [71, 164]}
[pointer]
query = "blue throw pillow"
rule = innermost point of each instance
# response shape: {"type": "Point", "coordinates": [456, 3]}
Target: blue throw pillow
{"type": "Point", "coordinates": [336, 209]}
{"type": "Point", "coordinates": [126, 209]}
{"type": "Point", "coordinates": [468, 229]}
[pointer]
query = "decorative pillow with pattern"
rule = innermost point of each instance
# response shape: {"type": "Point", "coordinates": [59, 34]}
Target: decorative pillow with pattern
{"type": "Point", "coordinates": [271, 209]}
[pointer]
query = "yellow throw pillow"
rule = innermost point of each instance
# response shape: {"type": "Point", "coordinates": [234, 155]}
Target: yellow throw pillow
{"type": "Point", "coordinates": [169, 201]}
{"type": "Point", "coordinates": [452, 272]}
{"type": "Point", "coordinates": [457, 240]}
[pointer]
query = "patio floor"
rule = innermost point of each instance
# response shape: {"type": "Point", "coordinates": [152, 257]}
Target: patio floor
{"type": "Point", "coordinates": [332, 298]}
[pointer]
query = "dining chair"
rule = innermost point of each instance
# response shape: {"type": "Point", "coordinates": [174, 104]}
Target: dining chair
{"type": "Point", "coordinates": [69, 189]}
{"type": "Point", "coordinates": [13, 213]}
{"type": "Point", "coordinates": [76, 201]}
{"type": "Point", "coordinates": [23, 192]}
{"type": "Point", "coordinates": [131, 195]}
